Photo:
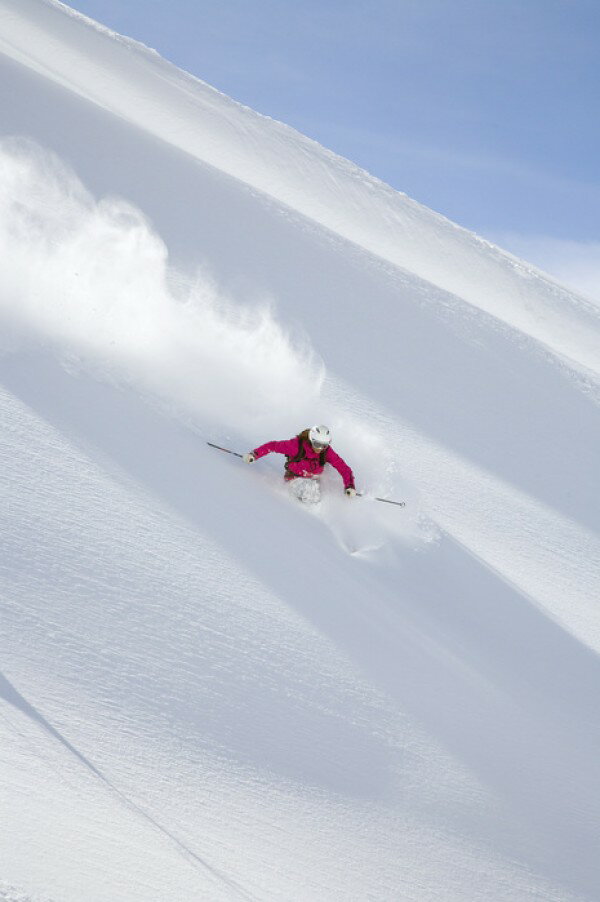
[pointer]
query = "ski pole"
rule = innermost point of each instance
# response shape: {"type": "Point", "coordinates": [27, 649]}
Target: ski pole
{"type": "Point", "coordinates": [226, 450]}
{"type": "Point", "coordinates": [385, 500]}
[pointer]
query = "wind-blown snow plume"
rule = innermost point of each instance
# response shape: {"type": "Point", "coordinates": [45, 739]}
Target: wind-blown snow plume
{"type": "Point", "coordinates": [92, 279]}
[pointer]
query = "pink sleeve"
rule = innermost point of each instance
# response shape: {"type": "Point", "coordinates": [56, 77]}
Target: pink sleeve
{"type": "Point", "coordinates": [341, 466]}
{"type": "Point", "coordinates": [288, 447]}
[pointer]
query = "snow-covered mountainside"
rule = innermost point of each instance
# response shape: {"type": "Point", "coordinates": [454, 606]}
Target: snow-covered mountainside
{"type": "Point", "coordinates": [207, 690]}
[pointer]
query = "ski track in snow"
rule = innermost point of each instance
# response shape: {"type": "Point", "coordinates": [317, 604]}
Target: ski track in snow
{"type": "Point", "coordinates": [208, 690]}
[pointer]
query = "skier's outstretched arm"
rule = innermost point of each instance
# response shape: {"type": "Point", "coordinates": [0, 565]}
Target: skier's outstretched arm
{"type": "Point", "coordinates": [341, 466]}
{"type": "Point", "coordinates": [289, 447]}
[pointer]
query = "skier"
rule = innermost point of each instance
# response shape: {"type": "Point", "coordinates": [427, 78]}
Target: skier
{"type": "Point", "coordinates": [307, 454]}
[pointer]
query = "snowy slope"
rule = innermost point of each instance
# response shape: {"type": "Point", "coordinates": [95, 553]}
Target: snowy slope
{"type": "Point", "coordinates": [204, 695]}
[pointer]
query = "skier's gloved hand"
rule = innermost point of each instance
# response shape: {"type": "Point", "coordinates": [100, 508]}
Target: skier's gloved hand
{"type": "Point", "coordinates": [351, 491]}
{"type": "Point", "coordinates": [249, 458]}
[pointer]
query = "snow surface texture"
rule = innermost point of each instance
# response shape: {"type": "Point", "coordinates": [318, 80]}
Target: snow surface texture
{"type": "Point", "coordinates": [207, 689]}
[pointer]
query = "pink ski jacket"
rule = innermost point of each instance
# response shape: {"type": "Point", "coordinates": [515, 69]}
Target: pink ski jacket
{"type": "Point", "coordinates": [311, 464]}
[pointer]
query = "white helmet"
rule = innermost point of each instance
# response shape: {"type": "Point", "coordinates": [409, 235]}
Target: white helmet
{"type": "Point", "coordinates": [319, 437]}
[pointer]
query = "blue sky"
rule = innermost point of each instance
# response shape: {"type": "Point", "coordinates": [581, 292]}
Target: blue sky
{"type": "Point", "coordinates": [487, 111]}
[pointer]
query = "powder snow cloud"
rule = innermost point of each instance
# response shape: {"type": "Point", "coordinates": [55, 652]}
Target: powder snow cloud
{"type": "Point", "coordinates": [92, 279]}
